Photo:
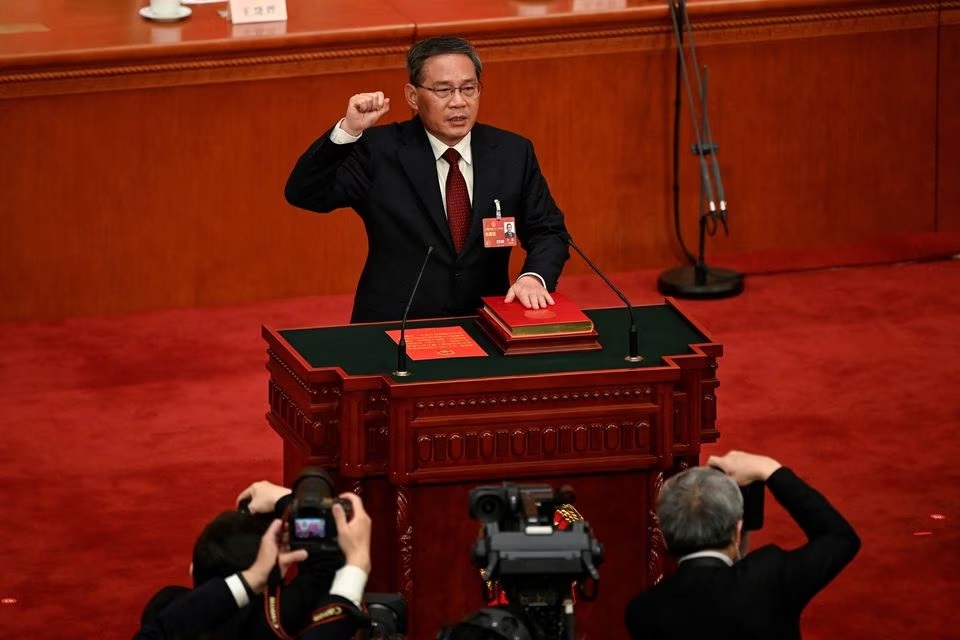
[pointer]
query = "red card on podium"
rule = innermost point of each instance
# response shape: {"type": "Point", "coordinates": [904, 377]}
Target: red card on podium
{"type": "Point", "coordinates": [434, 343]}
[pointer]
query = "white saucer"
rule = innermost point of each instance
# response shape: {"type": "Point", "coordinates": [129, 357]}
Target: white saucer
{"type": "Point", "coordinates": [181, 13]}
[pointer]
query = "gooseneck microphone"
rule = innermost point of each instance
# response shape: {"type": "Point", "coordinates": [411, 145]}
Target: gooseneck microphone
{"type": "Point", "coordinates": [634, 355]}
{"type": "Point", "coordinates": [402, 370]}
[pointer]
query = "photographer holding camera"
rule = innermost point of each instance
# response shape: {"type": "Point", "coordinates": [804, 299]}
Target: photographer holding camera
{"type": "Point", "coordinates": [715, 592]}
{"type": "Point", "coordinates": [240, 590]}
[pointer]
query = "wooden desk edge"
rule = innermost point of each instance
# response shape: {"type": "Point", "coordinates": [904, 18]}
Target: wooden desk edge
{"type": "Point", "coordinates": [508, 37]}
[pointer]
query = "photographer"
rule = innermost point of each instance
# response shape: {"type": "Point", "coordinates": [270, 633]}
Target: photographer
{"type": "Point", "coordinates": [715, 592]}
{"type": "Point", "coordinates": [326, 591]}
{"type": "Point", "coordinates": [184, 613]}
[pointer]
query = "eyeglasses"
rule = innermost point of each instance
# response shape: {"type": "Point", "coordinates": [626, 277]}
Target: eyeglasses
{"type": "Point", "coordinates": [467, 91]}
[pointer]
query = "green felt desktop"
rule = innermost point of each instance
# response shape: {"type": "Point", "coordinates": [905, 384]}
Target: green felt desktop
{"type": "Point", "coordinates": [367, 350]}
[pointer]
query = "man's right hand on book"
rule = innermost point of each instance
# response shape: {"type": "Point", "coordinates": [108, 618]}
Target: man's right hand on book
{"type": "Point", "coordinates": [530, 292]}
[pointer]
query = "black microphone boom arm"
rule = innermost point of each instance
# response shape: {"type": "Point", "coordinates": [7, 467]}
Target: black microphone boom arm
{"type": "Point", "coordinates": [402, 370]}
{"type": "Point", "coordinates": [634, 355]}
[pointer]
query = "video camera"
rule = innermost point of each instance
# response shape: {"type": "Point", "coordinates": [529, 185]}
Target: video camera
{"type": "Point", "coordinates": [536, 546]}
{"type": "Point", "coordinates": [310, 520]}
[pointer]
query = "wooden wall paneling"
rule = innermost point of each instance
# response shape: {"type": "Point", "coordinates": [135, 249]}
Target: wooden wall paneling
{"type": "Point", "coordinates": [826, 120]}
{"type": "Point", "coordinates": [600, 133]}
{"type": "Point", "coordinates": [825, 112]}
{"type": "Point", "coordinates": [827, 127]}
{"type": "Point", "coordinates": [824, 139]}
{"type": "Point", "coordinates": [107, 46]}
{"type": "Point", "coordinates": [122, 201]}
{"type": "Point", "coordinates": [146, 162]}
{"type": "Point", "coordinates": [948, 174]}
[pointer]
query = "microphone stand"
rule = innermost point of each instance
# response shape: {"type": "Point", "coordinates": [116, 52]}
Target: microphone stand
{"type": "Point", "coordinates": [634, 353]}
{"type": "Point", "coordinates": [402, 370]}
{"type": "Point", "coordinates": [698, 280]}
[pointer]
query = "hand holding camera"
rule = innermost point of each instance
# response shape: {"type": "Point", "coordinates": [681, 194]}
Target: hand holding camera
{"type": "Point", "coordinates": [261, 497]}
{"type": "Point", "coordinates": [750, 471]}
{"type": "Point", "coordinates": [744, 468]}
{"type": "Point", "coordinates": [353, 533]}
{"type": "Point", "coordinates": [327, 526]}
{"type": "Point", "coordinates": [272, 553]}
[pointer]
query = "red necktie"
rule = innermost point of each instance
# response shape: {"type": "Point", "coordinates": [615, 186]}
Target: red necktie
{"type": "Point", "coordinates": [458, 200]}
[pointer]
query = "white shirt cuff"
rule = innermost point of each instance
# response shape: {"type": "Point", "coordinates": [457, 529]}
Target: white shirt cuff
{"type": "Point", "coordinates": [236, 588]}
{"type": "Point", "coordinates": [339, 136]}
{"type": "Point", "coordinates": [535, 275]}
{"type": "Point", "coordinates": [349, 583]}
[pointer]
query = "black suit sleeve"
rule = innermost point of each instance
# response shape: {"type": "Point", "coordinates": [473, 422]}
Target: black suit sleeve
{"type": "Point", "coordinates": [199, 611]}
{"type": "Point", "coordinates": [542, 229]}
{"type": "Point", "coordinates": [329, 176]}
{"type": "Point", "coordinates": [832, 542]}
{"type": "Point", "coordinates": [636, 615]}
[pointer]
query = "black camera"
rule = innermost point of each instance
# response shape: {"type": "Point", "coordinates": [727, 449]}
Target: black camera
{"type": "Point", "coordinates": [514, 507]}
{"type": "Point", "coordinates": [385, 618]}
{"type": "Point", "coordinates": [753, 501]}
{"type": "Point", "coordinates": [310, 521]}
{"type": "Point", "coordinates": [388, 615]}
{"type": "Point", "coordinates": [753, 505]}
{"type": "Point", "coordinates": [536, 548]}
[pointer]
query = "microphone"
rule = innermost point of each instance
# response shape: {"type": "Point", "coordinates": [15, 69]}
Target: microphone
{"type": "Point", "coordinates": [402, 370]}
{"type": "Point", "coordinates": [704, 144]}
{"type": "Point", "coordinates": [634, 344]}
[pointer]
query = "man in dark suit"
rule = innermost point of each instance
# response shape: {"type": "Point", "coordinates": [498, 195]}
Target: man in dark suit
{"type": "Point", "coordinates": [232, 562]}
{"type": "Point", "coordinates": [412, 193]}
{"type": "Point", "coordinates": [715, 593]}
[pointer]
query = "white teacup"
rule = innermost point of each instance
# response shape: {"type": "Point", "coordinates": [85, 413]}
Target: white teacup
{"type": "Point", "coordinates": [165, 8]}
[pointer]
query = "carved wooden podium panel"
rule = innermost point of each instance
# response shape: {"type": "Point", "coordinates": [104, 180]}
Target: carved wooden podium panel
{"type": "Point", "coordinates": [414, 448]}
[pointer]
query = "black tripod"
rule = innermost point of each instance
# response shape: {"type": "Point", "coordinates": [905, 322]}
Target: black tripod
{"type": "Point", "coordinates": [697, 280]}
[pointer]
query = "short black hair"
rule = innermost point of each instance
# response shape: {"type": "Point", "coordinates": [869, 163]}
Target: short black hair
{"type": "Point", "coordinates": [228, 544]}
{"type": "Point", "coordinates": [422, 51]}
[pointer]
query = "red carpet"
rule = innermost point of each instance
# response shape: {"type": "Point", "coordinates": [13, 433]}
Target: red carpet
{"type": "Point", "coordinates": [122, 436]}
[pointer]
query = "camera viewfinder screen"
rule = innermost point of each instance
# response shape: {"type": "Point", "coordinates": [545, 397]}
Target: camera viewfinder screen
{"type": "Point", "coordinates": [310, 528]}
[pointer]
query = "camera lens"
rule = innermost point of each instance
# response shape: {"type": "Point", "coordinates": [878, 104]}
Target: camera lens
{"type": "Point", "coordinates": [489, 508]}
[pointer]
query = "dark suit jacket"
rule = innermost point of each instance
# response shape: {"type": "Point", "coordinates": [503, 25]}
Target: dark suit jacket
{"type": "Point", "coordinates": [210, 612]}
{"type": "Point", "coordinates": [762, 595]}
{"type": "Point", "coordinates": [389, 178]}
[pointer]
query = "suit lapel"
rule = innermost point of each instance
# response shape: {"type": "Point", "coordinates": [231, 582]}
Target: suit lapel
{"type": "Point", "coordinates": [486, 171]}
{"type": "Point", "coordinates": [416, 158]}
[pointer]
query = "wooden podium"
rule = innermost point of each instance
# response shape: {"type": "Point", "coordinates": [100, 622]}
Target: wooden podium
{"type": "Point", "coordinates": [414, 447]}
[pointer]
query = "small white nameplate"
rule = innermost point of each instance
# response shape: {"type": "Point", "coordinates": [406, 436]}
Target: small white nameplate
{"type": "Point", "coordinates": [247, 11]}
{"type": "Point", "coordinates": [599, 5]}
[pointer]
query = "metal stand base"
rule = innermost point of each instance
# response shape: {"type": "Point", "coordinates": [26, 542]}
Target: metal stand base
{"type": "Point", "coordinates": [700, 282]}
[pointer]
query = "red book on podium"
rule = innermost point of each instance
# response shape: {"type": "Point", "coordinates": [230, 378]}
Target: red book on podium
{"type": "Point", "coordinates": [517, 330]}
